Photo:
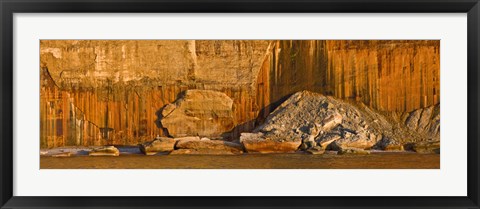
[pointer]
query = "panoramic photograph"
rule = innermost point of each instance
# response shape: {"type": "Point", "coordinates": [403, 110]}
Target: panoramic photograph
{"type": "Point", "coordinates": [239, 104]}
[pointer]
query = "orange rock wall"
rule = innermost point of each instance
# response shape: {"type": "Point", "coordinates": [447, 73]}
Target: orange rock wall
{"type": "Point", "coordinates": [97, 92]}
{"type": "Point", "coordinates": [388, 75]}
{"type": "Point", "coordinates": [77, 117]}
{"type": "Point", "coordinates": [110, 92]}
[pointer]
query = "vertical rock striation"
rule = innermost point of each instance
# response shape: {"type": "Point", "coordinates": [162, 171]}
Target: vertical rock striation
{"type": "Point", "coordinates": [390, 75]}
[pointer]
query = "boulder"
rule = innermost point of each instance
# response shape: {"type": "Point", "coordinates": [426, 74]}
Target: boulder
{"type": "Point", "coordinates": [257, 143]}
{"type": "Point", "coordinates": [351, 140]}
{"type": "Point", "coordinates": [104, 151]}
{"type": "Point", "coordinates": [203, 113]}
{"type": "Point", "coordinates": [388, 144]}
{"type": "Point", "coordinates": [187, 138]}
{"type": "Point", "coordinates": [204, 152]}
{"type": "Point", "coordinates": [331, 121]}
{"type": "Point", "coordinates": [218, 145]}
{"type": "Point", "coordinates": [425, 121]}
{"type": "Point", "coordinates": [270, 146]}
{"type": "Point", "coordinates": [160, 144]}
{"type": "Point", "coordinates": [328, 139]}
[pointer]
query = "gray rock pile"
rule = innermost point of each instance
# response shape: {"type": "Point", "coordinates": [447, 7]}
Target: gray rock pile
{"type": "Point", "coordinates": [314, 121]}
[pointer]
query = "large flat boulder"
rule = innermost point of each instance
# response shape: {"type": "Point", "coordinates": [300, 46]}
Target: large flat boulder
{"type": "Point", "coordinates": [257, 143]}
{"type": "Point", "coordinates": [104, 151]}
{"type": "Point", "coordinates": [352, 140]}
{"type": "Point", "coordinates": [160, 144]}
{"type": "Point", "coordinates": [204, 152]}
{"type": "Point", "coordinates": [270, 146]}
{"type": "Point", "coordinates": [187, 138]}
{"type": "Point", "coordinates": [203, 113]}
{"type": "Point", "coordinates": [207, 147]}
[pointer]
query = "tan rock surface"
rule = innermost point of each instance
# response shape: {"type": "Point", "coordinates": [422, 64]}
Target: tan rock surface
{"type": "Point", "coordinates": [425, 121]}
{"type": "Point", "coordinates": [210, 145]}
{"type": "Point", "coordinates": [201, 113]}
{"type": "Point", "coordinates": [268, 146]}
{"type": "Point", "coordinates": [187, 138]}
{"type": "Point", "coordinates": [160, 144]}
{"type": "Point", "coordinates": [90, 63]}
{"type": "Point", "coordinates": [104, 151]}
{"type": "Point", "coordinates": [204, 152]}
{"type": "Point", "coordinates": [257, 143]}
{"type": "Point", "coordinates": [207, 147]}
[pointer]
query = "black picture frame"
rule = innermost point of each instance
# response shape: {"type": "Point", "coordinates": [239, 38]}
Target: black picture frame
{"type": "Point", "coordinates": [9, 7]}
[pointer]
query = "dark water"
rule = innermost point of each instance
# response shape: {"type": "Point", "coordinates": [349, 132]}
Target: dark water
{"type": "Point", "coordinates": [396, 160]}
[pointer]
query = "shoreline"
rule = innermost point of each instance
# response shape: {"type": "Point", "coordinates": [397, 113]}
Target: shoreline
{"type": "Point", "coordinates": [135, 150]}
{"type": "Point", "coordinates": [329, 160]}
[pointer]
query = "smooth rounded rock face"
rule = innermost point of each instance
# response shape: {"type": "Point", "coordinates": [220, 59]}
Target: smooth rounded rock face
{"type": "Point", "coordinates": [202, 113]}
{"type": "Point", "coordinates": [161, 144]}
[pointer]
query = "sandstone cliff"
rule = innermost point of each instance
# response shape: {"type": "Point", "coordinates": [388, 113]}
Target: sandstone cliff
{"type": "Point", "coordinates": [96, 92]}
{"type": "Point", "coordinates": [387, 75]}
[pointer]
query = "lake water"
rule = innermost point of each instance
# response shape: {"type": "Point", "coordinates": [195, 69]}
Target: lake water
{"type": "Point", "coordinates": [380, 160]}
